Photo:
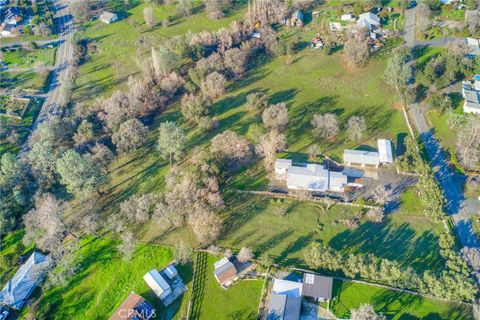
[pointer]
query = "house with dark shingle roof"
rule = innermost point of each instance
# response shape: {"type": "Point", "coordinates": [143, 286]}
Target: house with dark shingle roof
{"type": "Point", "coordinates": [317, 287]}
{"type": "Point", "coordinates": [17, 291]}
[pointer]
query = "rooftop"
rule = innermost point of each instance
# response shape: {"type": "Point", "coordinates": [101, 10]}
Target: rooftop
{"type": "Point", "coordinates": [289, 288]}
{"type": "Point", "coordinates": [317, 286]}
{"type": "Point", "coordinates": [20, 287]}
{"type": "Point", "coordinates": [134, 307]}
{"type": "Point", "coordinates": [224, 270]}
{"type": "Point", "coordinates": [361, 157]}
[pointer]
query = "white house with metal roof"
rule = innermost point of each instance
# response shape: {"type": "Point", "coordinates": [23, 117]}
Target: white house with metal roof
{"type": "Point", "coordinates": [21, 286]}
{"type": "Point", "coordinates": [157, 283]}
{"type": "Point", "coordinates": [362, 158]}
{"type": "Point", "coordinates": [310, 176]}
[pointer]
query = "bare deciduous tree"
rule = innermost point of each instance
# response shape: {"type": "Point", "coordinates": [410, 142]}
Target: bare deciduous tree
{"type": "Point", "coordinates": [234, 149]}
{"type": "Point", "coordinates": [325, 126]}
{"type": "Point", "coordinates": [127, 245]}
{"type": "Point", "coordinates": [268, 146]}
{"type": "Point", "coordinates": [183, 253]}
{"type": "Point", "coordinates": [356, 127]}
{"type": "Point", "coordinates": [148, 16]}
{"type": "Point", "coordinates": [206, 225]}
{"type": "Point", "coordinates": [45, 225]}
{"type": "Point", "coordinates": [357, 51]}
{"type": "Point", "coordinates": [213, 86]}
{"type": "Point", "coordinates": [80, 10]}
{"type": "Point", "coordinates": [276, 116]}
{"type": "Point", "coordinates": [468, 143]}
{"type": "Point", "coordinates": [382, 194]}
{"type": "Point", "coordinates": [245, 255]}
{"type": "Point", "coordinates": [257, 101]}
{"type": "Point", "coordinates": [423, 18]}
{"type": "Point", "coordinates": [375, 215]}
{"type": "Point", "coordinates": [184, 8]}
{"type": "Point", "coordinates": [235, 60]}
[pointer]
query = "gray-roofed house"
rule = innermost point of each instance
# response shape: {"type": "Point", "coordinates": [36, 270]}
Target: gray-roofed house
{"type": "Point", "coordinates": [318, 287]}
{"type": "Point", "coordinates": [310, 176]}
{"type": "Point", "coordinates": [361, 158]}
{"type": "Point", "coordinates": [21, 286]}
{"type": "Point", "coordinates": [108, 17]}
{"type": "Point", "coordinates": [283, 307]}
{"type": "Point", "coordinates": [471, 96]}
{"type": "Point", "coordinates": [225, 272]}
{"type": "Point", "coordinates": [286, 300]}
{"type": "Point", "coordinates": [368, 20]}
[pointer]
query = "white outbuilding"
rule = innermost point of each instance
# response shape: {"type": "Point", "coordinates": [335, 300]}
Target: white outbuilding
{"type": "Point", "coordinates": [385, 151]}
{"type": "Point", "coordinates": [158, 284]}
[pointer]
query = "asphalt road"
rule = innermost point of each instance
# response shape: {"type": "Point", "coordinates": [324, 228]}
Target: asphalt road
{"type": "Point", "coordinates": [458, 206]}
{"type": "Point", "coordinates": [52, 104]}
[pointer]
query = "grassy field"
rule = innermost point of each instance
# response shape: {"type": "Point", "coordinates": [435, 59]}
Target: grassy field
{"type": "Point", "coordinates": [104, 280]}
{"type": "Point", "coordinates": [125, 44]}
{"type": "Point", "coordinates": [238, 302]}
{"type": "Point", "coordinates": [406, 236]}
{"type": "Point", "coordinates": [27, 80]}
{"type": "Point", "coordinates": [394, 305]}
{"type": "Point", "coordinates": [28, 59]}
{"type": "Point", "coordinates": [11, 250]}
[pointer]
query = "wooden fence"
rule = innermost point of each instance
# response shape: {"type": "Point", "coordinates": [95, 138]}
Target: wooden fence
{"type": "Point", "coordinates": [326, 200]}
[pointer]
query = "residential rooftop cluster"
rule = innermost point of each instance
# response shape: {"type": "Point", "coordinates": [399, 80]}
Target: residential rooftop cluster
{"type": "Point", "coordinates": [319, 178]}
{"type": "Point", "coordinates": [287, 295]}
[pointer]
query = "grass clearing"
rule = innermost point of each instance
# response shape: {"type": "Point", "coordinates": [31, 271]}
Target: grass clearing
{"type": "Point", "coordinates": [394, 305]}
{"type": "Point", "coordinates": [406, 236]}
{"type": "Point", "coordinates": [27, 80]}
{"type": "Point", "coordinates": [28, 59]}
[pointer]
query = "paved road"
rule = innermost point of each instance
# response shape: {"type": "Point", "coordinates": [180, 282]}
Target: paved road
{"type": "Point", "coordinates": [52, 104]}
{"type": "Point", "coordinates": [458, 207]}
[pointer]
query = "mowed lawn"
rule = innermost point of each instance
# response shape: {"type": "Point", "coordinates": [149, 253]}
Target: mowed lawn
{"type": "Point", "coordinates": [240, 301]}
{"type": "Point", "coordinates": [104, 280]}
{"type": "Point", "coordinates": [395, 305]}
{"type": "Point", "coordinates": [252, 221]}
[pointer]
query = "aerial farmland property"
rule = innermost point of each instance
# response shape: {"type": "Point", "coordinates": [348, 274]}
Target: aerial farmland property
{"type": "Point", "coordinates": [239, 159]}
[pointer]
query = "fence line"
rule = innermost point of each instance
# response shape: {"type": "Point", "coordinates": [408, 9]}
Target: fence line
{"type": "Point", "coordinates": [328, 201]}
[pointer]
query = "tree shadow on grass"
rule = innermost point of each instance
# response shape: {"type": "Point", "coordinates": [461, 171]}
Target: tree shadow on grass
{"type": "Point", "coordinates": [391, 242]}
{"type": "Point", "coordinates": [299, 244]}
